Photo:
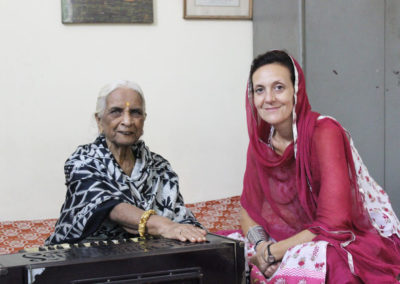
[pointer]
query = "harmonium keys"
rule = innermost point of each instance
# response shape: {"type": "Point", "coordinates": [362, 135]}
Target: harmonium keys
{"type": "Point", "coordinates": [66, 246]}
{"type": "Point", "coordinates": [135, 260]}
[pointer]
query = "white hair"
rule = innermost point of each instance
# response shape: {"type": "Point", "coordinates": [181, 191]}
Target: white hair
{"type": "Point", "coordinates": [111, 87]}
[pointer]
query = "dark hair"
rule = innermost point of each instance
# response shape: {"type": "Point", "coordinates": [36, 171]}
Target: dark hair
{"type": "Point", "coordinates": [274, 56]}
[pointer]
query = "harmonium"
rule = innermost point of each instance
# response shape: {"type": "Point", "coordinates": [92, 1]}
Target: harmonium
{"type": "Point", "coordinates": [135, 260]}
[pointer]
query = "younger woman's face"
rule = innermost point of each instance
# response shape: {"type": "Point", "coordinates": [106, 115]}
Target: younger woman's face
{"type": "Point", "coordinates": [273, 93]}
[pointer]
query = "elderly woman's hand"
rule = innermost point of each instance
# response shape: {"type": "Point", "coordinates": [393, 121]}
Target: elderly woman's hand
{"type": "Point", "coordinates": [184, 232]}
{"type": "Point", "coordinates": [259, 260]}
{"type": "Point", "coordinates": [158, 225]}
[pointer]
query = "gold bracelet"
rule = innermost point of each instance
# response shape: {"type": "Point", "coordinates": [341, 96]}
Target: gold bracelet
{"type": "Point", "coordinates": [143, 221]}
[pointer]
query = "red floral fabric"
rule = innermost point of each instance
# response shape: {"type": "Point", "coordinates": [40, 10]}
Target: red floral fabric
{"type": "Point", "coordinates": [215, 215]}
{"type": "Point", "coordinates": [218, 215]}
{"type": "Point", "coordinates": [16, 235]}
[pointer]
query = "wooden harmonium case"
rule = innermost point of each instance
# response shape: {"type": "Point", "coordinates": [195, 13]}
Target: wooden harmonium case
{"type": "Point", "coordinates": [156, 260]}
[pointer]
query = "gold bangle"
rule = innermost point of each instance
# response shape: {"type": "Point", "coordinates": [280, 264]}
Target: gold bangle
{"type": "Point", "coordinates": [143, 221]}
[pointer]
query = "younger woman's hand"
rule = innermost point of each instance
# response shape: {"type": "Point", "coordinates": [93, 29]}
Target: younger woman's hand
{"type": "Point", "coordinates": [259, 260]}
{"type": "Point", "coordinates": [271, 269]}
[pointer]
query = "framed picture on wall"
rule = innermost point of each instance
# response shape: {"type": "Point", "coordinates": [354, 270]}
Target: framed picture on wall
{"type": "Point", "coordinates": [106, 11]}
{"type": "Point", "coordinates": [218, 9]}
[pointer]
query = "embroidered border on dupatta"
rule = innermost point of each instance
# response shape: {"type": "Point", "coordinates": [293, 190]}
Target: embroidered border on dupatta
{"type": "Point", "coordinates": [294, 115]}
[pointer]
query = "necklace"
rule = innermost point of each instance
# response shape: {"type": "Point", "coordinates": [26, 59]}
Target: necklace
{"type": "Point", "coordinates": [269, 142]}
{"type": "Point", "coordinates": [280, 146]}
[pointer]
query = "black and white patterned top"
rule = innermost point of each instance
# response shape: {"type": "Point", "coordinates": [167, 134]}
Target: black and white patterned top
{"type": "Point", "coordinates": [96, 183]}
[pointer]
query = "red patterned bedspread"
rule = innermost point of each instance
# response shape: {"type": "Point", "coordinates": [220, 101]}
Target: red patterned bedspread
{"type": "Point", "coordinates": [218, 215]}
{"type": "Point", "coordinates": [215, 215]}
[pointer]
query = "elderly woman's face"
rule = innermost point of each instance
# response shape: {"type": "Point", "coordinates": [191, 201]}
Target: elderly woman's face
{"type": "Point", "coordinates": [123, 118]}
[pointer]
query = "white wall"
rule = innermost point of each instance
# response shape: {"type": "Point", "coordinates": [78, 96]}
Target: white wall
{"type": "Point", "coordinates": [193, 74]}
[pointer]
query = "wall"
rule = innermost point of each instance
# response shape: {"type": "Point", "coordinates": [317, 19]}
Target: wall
{"type": "Point", "coordinates": [193, 74]}
{"type": "Point", "coordinates": [392, 100]}
{"type": "Point", "coordinates": [344, 58]}
{"type": "Point", "coordinates": [278, 25]}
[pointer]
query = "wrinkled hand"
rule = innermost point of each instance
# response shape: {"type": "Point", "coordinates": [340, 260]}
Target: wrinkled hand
{"type": "Point", "coordinates": [259, 261]}
{"type": "Point", "coordinates": [183, 232]}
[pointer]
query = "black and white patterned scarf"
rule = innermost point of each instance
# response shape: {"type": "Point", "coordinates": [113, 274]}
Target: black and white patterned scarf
{"type": "Point", "coordinates": [96, 183]}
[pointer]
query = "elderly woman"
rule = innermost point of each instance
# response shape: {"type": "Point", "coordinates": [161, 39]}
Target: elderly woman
{"type": "Point", "coordinates": [116, 186]}
{"type": "Point", "coordinates": [309, 205]}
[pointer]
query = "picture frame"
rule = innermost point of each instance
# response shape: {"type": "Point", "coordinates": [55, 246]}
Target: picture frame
{"type": "Point", "coordinates": [218, 9]}
{"type": "Point", "coordinates": [107, 11]}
